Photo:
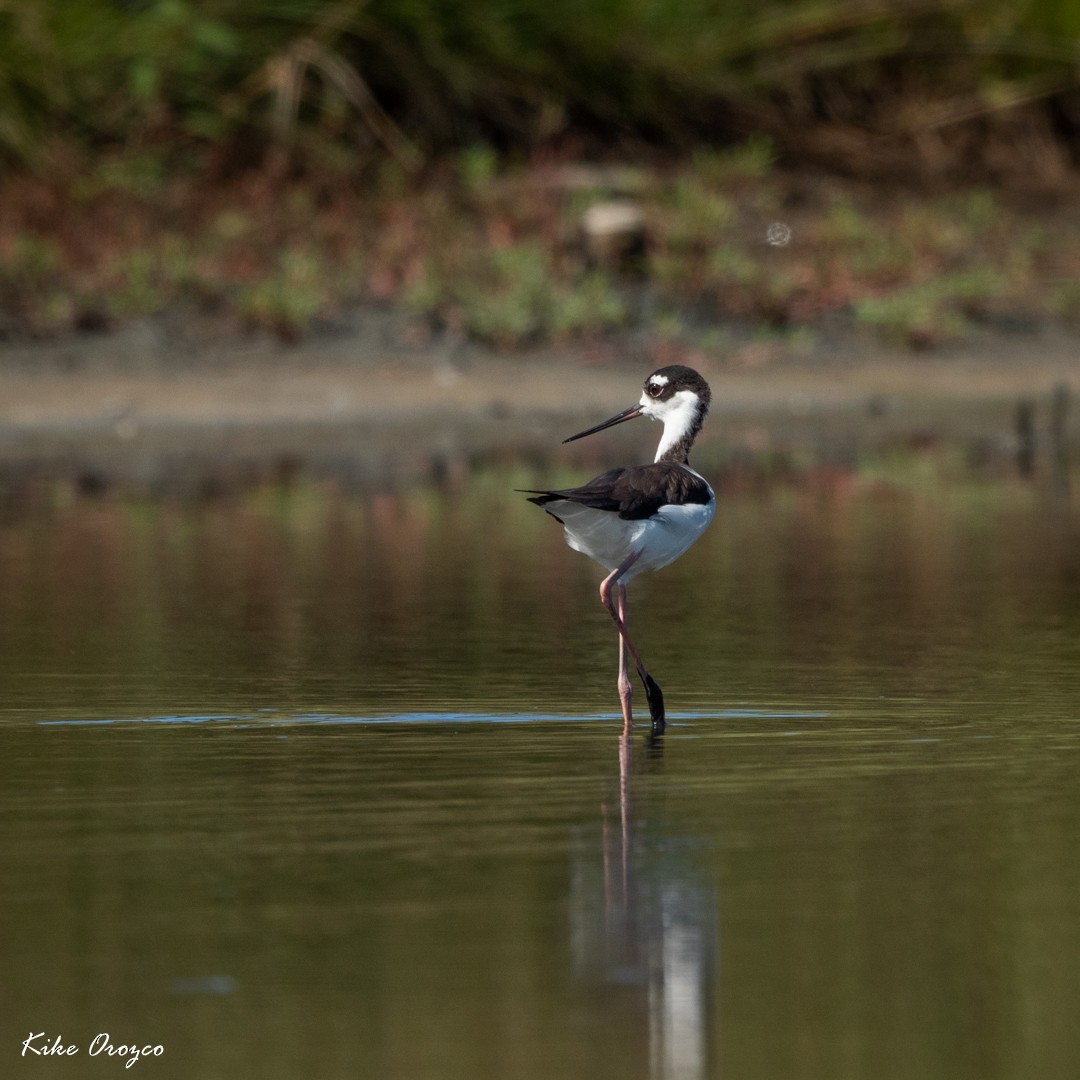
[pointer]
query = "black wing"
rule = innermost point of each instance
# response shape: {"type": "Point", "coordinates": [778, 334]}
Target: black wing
{"type": "Point", "coordinates": [634, 492]}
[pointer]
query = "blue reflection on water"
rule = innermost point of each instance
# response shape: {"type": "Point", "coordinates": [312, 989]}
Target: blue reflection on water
{"type": "Point", "coordinates": [202, 985]}
{"type": "Point", "coordinates": [272, 720]}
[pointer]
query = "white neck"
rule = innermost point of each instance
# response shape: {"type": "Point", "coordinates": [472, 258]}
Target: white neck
{"type": "Point", "coordinates": [677, 414]}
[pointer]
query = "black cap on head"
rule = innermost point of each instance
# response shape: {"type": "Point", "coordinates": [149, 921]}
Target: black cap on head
{"type": "Point", "coordinates": [665, 382]}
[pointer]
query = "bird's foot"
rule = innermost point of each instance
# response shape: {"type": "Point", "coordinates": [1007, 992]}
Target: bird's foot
{"type": "Point", "coordinates": [655, 697]}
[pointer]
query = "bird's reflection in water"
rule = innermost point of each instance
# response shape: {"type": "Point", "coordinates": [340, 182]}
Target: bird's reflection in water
{"type": "Point", "coordinates": [643, 921]}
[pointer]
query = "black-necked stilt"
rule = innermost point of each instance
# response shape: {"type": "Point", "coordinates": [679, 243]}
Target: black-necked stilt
{"type": "Point", "coordinates": [641, 517]}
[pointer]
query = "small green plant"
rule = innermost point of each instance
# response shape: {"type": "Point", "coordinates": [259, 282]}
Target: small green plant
{"type": "Point", "coordinates": [590, 305]}
{"type": "Point", "coordinates": [1063, 299]}
{"type": "Point", "coordinates": [137, 286]}
{"type": "Point", "coordinates": [31, 261]}
{"type": "Point", "coordinates": [699, 215]}
{"type": "Point", "coordinates": [510, 296]}
{"type": "Point", "coordinates": [751, 160]}
{"type": "Point", "coordinates": [931, 312]}
{"type": "Point", "coordinates": [477, 168]}
{"type": "Point", "coordinates": [913, 317]}
{"type": "Point", "coordinates": [291, 297]}
{"type": "Point", "coordinates": [509, 299]}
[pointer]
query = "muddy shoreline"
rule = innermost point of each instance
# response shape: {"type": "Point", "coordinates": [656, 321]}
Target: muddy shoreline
{"type": "Point", "coordinates": [149, 408]}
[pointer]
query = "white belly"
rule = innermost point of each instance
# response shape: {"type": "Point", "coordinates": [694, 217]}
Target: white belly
{"type": "Point", "coordinates": [610, 539]}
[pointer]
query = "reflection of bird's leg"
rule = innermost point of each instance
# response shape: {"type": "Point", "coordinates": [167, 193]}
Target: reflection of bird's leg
{"type": "Point", "coordinates": [652, 690]}
{"type": "Point", "coordinates": [625, 759]}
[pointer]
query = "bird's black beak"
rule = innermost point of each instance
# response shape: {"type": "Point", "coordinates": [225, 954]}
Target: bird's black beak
{"type": "Point", "coordinates": [626, 414]}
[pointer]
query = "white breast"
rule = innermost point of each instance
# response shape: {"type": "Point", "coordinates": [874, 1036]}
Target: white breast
{"type": "Point", "coordinates": [609, 539]}
{"type": "Point", "coordinates": [672, 531]}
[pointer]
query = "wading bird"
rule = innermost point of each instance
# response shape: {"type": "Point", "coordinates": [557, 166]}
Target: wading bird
{"type": "Point", "coordinates": [641, 517]}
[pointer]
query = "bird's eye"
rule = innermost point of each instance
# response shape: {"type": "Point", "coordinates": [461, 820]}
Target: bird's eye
{"type": "Point", "coordinates": [653, 389]}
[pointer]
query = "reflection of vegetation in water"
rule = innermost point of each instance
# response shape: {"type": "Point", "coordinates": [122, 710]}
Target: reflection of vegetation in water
{"type": "Point", "coordinates": [309, 599]}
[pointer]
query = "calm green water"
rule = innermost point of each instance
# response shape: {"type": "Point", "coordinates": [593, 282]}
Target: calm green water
{"type": "Point", "coordinates": [304, 784]}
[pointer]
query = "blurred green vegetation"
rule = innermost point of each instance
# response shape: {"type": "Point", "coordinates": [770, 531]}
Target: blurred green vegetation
{"type": "Point", "coordinates": [730, 249]}
{"type": "Point", "coordinates": [270, 165]}
{"type": "Point", "coordinates": [410, 77]}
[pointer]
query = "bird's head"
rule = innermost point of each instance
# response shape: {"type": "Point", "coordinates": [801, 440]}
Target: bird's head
{"type": "Point", "coordinates": [675, 395]}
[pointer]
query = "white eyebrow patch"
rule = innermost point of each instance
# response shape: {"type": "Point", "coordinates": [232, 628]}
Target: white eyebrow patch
{"type": "Point", "coordinates": [659, 380]}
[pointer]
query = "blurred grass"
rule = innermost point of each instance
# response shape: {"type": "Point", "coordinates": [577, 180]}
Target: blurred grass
{"type": "Point", "coordinates": [410, 78]}
{"type": "Point", "coordinates": [270, 164]}
{"type": "Point", "coordinates": [499, 253]}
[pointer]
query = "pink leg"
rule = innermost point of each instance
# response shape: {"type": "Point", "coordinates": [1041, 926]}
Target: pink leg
{"type": "Point", "coordinates": [626, 688]}
{"type": "Point", "coordinates": [652, 691]}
